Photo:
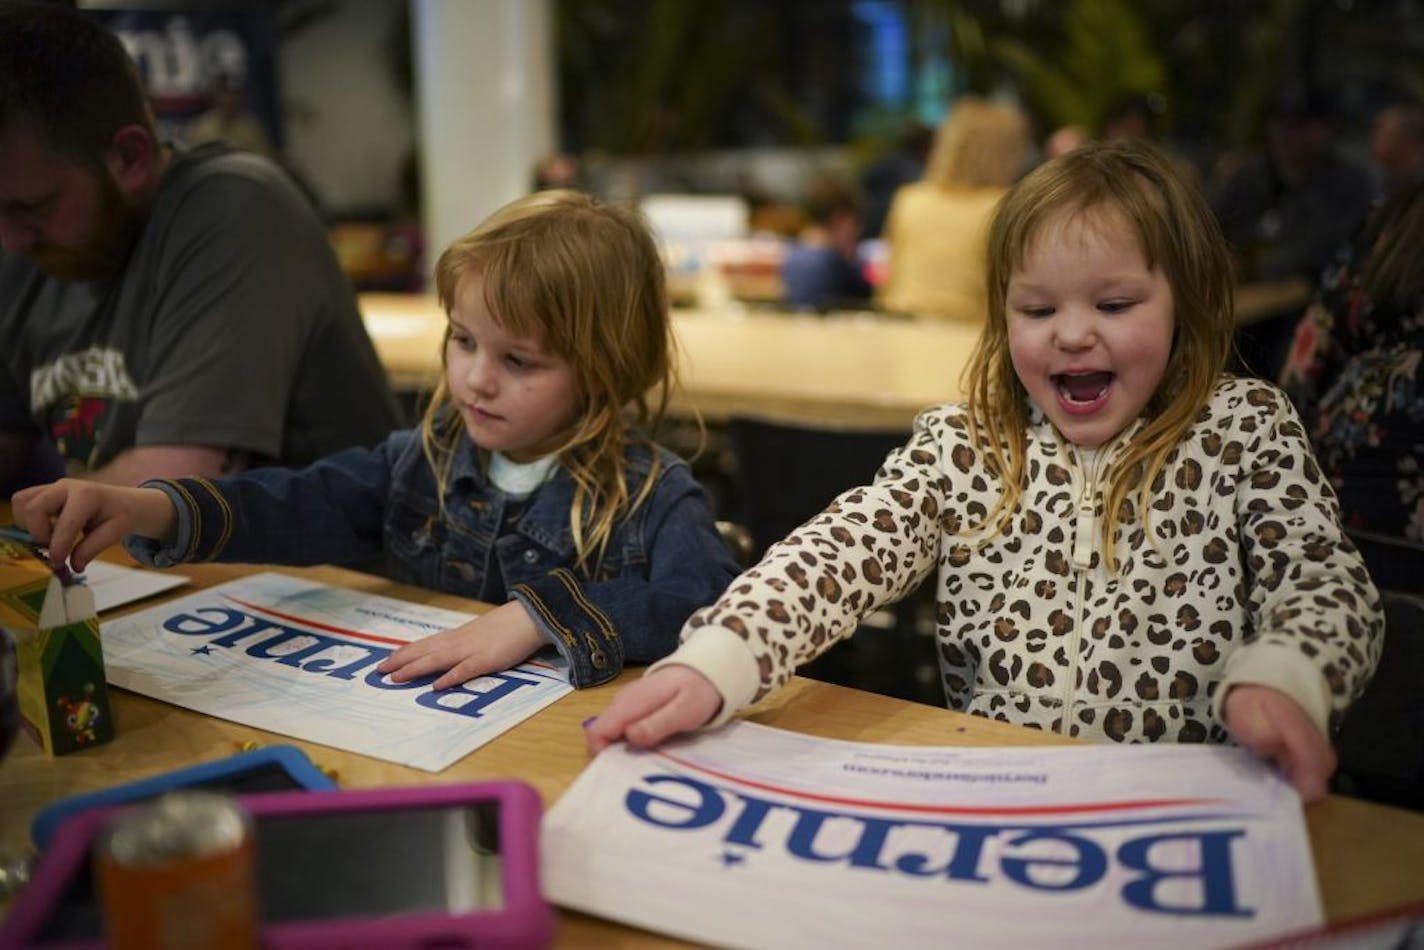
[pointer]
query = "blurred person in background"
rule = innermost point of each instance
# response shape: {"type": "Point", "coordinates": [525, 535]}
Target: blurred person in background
{"type": "Point", "coordinates": [823, 269]}
{"type": "Point", "coordinates": [1065, 139]}
{"type": "Point", "coordinates": [1397, 145]}
{"type": "Point", "coordinates": [937, 227]}
{"type": "Point", "coordinates": [1356, 372]}
{"type": "Point", "coordinates": [560, 170]}
{"type": "Point", "coordinates": [1139, 116]}
{"type": "Point", "coordinates": [900, 166]}
{"type": "Point", "coordinates": [1286, 213]}
{"type": "Point", "coordinates": [1131, 117]}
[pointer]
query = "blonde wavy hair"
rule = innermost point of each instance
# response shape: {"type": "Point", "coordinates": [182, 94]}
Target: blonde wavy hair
{"type": "Point", "coordinates": [586, 280]}
{"type": "Point", "coordinates": [981, 144]}
{"type": "Point", "coordinates": [1123, 183]}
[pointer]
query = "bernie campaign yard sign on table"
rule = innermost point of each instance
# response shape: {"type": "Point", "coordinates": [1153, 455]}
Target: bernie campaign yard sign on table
{"type": "Point", "coordinates": [298, 658]}
{"type": "Point", "coordinates": [756, 837]}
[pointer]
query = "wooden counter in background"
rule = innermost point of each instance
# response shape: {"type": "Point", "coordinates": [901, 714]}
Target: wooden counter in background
{"type": "Point", "coordinates": [852, 369]}
{"type": "Point", "coordinates": [1262, 301]}
{"type": "Point", "coordinates": [408, 331]}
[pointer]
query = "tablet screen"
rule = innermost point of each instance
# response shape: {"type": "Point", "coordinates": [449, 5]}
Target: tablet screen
{"type": "Point", "coordinates": [331, 865]}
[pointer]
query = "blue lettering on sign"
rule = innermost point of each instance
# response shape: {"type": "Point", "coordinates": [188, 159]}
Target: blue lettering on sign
{"type": "Point", "coordinates": [331, 656]}
{"type": "Point", "coordinates": [1087, 862]}
{"type": "Point", "coordinates": [464, 701]}
{"type": "Point", "coordinates": [1218, 894]}
{"type": "Point", "coordinates": [1055, 857]}
{"type": "Point", "coordinates": [198, 624]}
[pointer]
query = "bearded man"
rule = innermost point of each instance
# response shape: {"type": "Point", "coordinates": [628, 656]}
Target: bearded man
{"type": "Point", "coordinates": [162, 312]}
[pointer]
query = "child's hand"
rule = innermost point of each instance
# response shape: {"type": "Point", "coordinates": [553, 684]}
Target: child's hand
{"type": "Point", "coordinates": [77, 519]}
{"type": "Point", "coordinates": [490, 643]}
{"type": "Point", "coordinates": [1272, 725]}
{"type": "Point", "coordinates": [674, 699]}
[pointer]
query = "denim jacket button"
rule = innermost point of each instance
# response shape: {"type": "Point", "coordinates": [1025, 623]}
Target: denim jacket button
{"type": "Point", "coordinates": [530, 556]}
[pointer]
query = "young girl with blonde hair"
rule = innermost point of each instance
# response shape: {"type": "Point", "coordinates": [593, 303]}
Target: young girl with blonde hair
{"type": "Point", "coordinates": [1131, 545]}
{"type": "Point", "coordinates": [531, 482]}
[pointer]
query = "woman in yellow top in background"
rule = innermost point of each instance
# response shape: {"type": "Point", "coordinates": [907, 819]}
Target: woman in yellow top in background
{"type": "Point", "coordinates": [936, 227]}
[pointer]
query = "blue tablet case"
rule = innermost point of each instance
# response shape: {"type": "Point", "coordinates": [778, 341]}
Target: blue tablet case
{"type": "Point", "coordinates": [270, 768]}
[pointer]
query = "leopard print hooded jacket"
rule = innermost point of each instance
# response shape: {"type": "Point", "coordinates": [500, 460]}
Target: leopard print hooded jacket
{"type": "Point", "coordinates": [1246, 577]}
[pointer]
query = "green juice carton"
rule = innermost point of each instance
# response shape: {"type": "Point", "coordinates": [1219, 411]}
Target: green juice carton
{"type": "Point", "coordinates": [63, 697]}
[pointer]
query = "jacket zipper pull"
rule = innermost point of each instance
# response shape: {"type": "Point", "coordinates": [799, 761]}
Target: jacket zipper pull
{"type": "Point", "coordinates": [1083, 536]}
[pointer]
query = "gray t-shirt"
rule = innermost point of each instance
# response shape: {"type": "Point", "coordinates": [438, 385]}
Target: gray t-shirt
{"type": "Point", "coordinates": [231, 326]}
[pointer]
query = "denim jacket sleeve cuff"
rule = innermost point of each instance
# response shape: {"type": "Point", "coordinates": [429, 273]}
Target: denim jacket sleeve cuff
{"type": "Point", "coordinates": [204, 524]}
{"type": "Point", "coordinates": [1280, 667]}
{"type": "Point", "coordinates": [582, 633]}
{"type": "Point", "coordinates": [721, 656]}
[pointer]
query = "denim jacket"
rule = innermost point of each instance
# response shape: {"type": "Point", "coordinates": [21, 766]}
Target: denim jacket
{"type": "Point", "coordinates": [662, 561]}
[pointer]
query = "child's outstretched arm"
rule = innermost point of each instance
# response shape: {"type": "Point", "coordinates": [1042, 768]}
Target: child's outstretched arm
{"type": "Point", "coordinates": [868, 548]}
{"type": "Point", "coordinates": [492, 642]}
{"type": "Point", "coordinates": [1275, 727]}
{"type": "Point", "coordinates": [670, 700]}
{"type": "Point", "coordinates": [77, 519]}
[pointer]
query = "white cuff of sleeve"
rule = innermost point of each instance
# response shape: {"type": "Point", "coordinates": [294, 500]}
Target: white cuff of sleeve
{"type": "Point", "coordinates": [721, 656]}
{"type": "Point", "coordinates": [1281, 667]}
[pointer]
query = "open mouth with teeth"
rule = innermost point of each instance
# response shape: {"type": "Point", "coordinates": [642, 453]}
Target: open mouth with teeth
{"type": "Point", "coordinates": [1082, 391]}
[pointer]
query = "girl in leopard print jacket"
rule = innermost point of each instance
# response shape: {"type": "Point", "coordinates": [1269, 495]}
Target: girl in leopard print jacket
{"type": "Point", "coordinates": [1131, 545]}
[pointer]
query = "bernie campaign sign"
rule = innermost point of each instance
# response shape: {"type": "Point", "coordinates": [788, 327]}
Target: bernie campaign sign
{"type": "Point", "coordinates": [756, 837]}
{"type": "Point", "coordinates": [298, 658]}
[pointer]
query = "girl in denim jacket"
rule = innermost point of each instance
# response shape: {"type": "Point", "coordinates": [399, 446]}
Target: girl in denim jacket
{"type": "Point", "coordinates": [528, 483]}
{"type": "Point", "coordinates": [1131, 546]}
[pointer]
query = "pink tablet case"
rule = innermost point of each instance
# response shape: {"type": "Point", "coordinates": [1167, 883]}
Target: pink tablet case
{"type": "Point", "coordinates": [524, 920]}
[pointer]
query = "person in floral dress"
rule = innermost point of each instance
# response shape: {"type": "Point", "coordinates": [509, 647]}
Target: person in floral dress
{"type": "Point", "coordinates": [1355, 371]}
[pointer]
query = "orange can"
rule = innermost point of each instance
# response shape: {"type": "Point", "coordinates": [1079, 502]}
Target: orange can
{"type": "Point", "coordinates": [180, 873]}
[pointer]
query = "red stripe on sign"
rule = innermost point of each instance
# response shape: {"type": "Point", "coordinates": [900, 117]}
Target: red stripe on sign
{"type": "Point", "coordinates": [1087, 808]}
{"type": "Point", "coordinates": [293, 618]}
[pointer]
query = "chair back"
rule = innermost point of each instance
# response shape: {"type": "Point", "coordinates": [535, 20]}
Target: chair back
{"type": "Point", "coordinates": [1395, 563]}
{"type": "Point", "coordinates": [786, 472]}
{"type": "Point", "coordinates": [1381, 741]}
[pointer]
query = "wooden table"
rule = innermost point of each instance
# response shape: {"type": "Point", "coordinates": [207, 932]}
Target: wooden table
{"type": "Point", "coordinates": [847, 369]}
{"type": "Point", "coordinates": [1368, 857]}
